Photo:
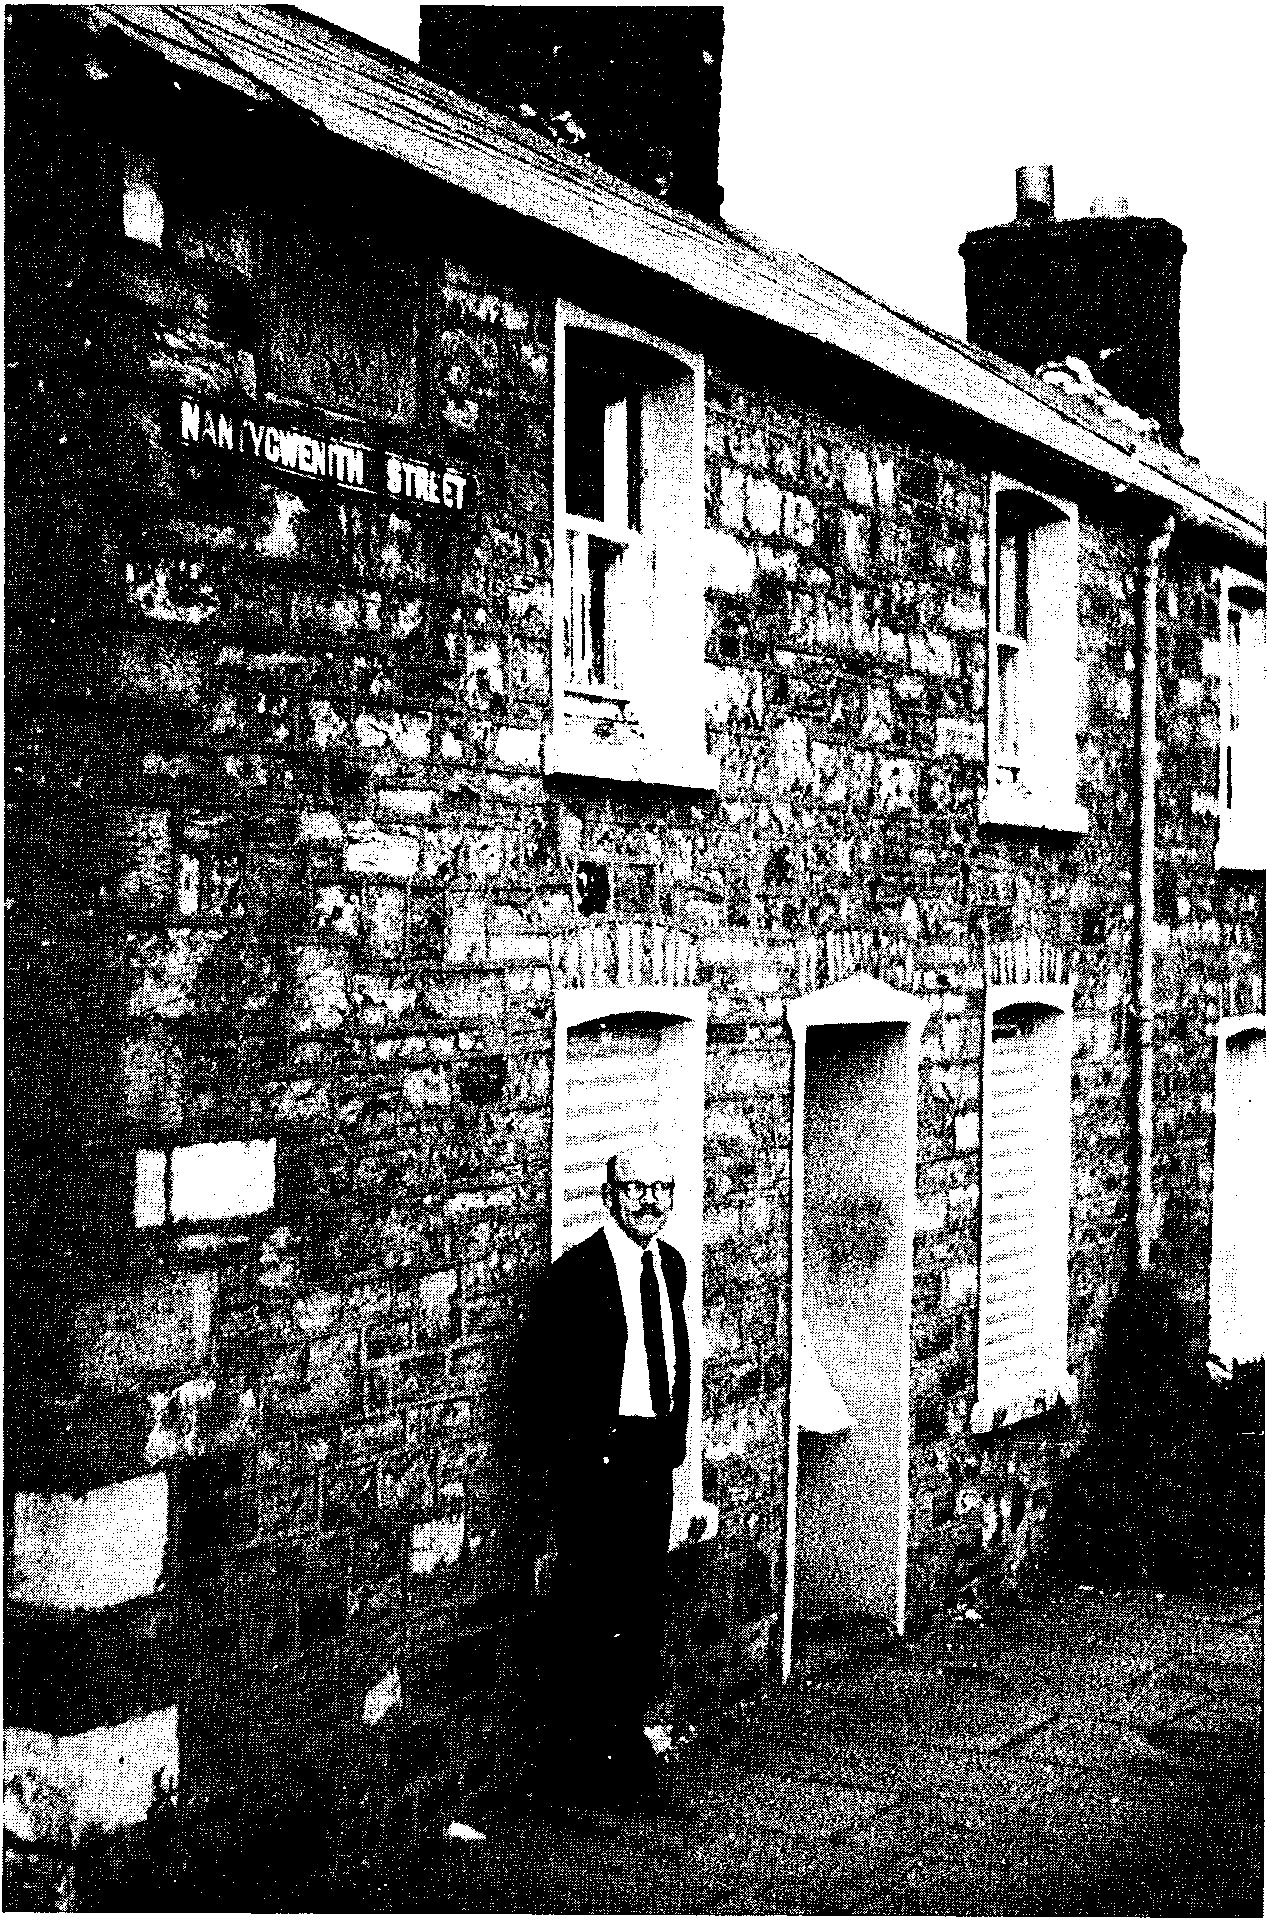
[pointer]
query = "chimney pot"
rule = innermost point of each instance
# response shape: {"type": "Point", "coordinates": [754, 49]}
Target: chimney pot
{"type": "Point", "coordinates": [1103, 291]}
{"type": "Point", "coordinates": [1035, 193]}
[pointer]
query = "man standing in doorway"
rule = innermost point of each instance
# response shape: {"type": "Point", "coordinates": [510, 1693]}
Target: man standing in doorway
{"type": "Point", "coordinates": [612, 1392]}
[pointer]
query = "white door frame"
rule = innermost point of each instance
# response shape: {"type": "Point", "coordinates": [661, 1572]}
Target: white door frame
{"type": "Point", "coordinates": [858, 1001]}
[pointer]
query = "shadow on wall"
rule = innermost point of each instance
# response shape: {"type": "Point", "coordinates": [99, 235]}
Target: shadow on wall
{"type": "Point", "coordinates": [68, 1194]}
{"type": "Point", "coordinates": [1170, 1489]}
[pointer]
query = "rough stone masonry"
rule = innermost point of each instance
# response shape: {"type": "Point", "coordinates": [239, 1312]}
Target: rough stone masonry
{"type": "Point", "coordinates": [289, 899]}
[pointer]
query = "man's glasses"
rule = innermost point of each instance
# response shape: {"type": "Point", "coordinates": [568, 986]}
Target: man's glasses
{"type": "Point", "coordinates": [637, 1192]}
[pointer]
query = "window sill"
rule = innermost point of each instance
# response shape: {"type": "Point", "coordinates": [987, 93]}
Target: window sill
{"type": "Point", "coordinates": [1239, 847]}
{"type": "Point", "coordinates": [579, 758]}
{"type": "Point", "coordinates": [1025, 1404]}
{"type": "Point", "coordinates": [1003, 810]}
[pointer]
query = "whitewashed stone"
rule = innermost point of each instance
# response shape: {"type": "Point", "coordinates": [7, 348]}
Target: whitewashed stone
{"type": "Point", "coordinates": [382, 1699]}
{"type": "Point", "coordinates": [90, 1551]}
{"type": "Point", "coordinates": [731, 567]}
{"type": "Point", "coordinates": [436, 1544]}
{"type": "Point", "coordinates": [519, 747]}
{"type": "Point", "coordinates": [388, 857]}
{"type": "Point", "coordinates": [60, 1788]}
{"type": "Point", "coordinates": [149, 1200]}
{"type": "Point", "coordinates": [318, 828]}
{"type": "Point", "coordinates": [221, 1180]}
{"type": "Point", "coordinates": [142, 202]}
{"type": "Point", "coordinates": [791, 756]}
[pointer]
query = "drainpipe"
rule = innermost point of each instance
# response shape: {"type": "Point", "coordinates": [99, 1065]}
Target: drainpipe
{"type": "Point", "coordinates": [1146, 801]}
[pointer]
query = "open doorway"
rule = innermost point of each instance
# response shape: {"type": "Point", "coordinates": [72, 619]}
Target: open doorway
{"type": "Point", "coordinates": [853, 1205]}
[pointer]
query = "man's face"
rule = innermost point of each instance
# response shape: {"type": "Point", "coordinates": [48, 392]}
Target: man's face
{"type": "Point", "coordinates": [641, 1197]}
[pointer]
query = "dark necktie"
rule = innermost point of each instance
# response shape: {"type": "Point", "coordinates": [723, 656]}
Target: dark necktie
{"type": "Point", "coordinates": [653, 1335]}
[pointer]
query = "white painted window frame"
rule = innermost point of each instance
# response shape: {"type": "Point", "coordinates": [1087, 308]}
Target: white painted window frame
{"type": "Point", "coordinates": [664, 749]}
{"type": "Point", "coordinates": [1242, 836]}
{"type": "Point", "coordinates": [1231, 1027]}
{"type": "Point", "coordinates": [1008, 1403]}
{"type": "Point", "coordinates": [858, 1001]}
{"type": "Point", "coordinates": [574, 1007]}
{"type": "Point", "coordinates": [1046, 794]}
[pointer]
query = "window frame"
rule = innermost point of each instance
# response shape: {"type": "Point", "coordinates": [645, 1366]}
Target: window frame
{"type": "Point", "coordinates": [598, 734]}
{"type": "Point", "coordinates": [1035, 802]}
{"type": "Point", "coordinates": [1242, 834]}
{"type": "Point", "coordinates": [687, 1006]}
{"type": "Point", "coordinates": [1004, 1401]}
{"type": "Point", "coordinates": [1223, 1311]}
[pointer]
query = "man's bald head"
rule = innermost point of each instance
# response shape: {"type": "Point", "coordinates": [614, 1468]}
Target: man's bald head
{"type": "Point", "coordinates": [638, 1191]}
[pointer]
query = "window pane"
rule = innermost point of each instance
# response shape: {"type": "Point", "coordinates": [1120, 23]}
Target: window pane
{"type": "Point", "coordinates": [584, 422]}
{"type": "Point", "coordinates": [597, 604]}
{"type": "Point", "coordinates": [616, 462]}
{"type": "Point", "coordinates": [601, 433]}
{"type": "Point", "coordinates": [1013, 584]}
{"type": "Point", "coordinates": [1008, 673]}
{"type": "Point", "coordinates": [1006, 623]}
{"type": "Point", "coordinates": [615, 1095]}
{"type": "Point", "coordinates": [1233, 666]}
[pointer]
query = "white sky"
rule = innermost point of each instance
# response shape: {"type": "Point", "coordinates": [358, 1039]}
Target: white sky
{"type": "Point", "coordinates": [873, 136]}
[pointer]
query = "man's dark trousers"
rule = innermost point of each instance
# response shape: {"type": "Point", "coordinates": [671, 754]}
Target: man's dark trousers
{"type": "Point", "coordinates": [612, 1529]}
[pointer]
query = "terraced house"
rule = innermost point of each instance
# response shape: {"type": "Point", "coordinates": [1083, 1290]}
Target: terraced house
{"type": "Point", "coordinates": [496, 657]}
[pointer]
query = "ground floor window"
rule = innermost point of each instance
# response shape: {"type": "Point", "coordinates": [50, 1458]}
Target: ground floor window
{"type": "Point", "coordinates": [1022, 1330]}
{"type": "Point", "coordinates": [1236, 1255]}
{"type": "Point", "coordinates": [629, 1063]}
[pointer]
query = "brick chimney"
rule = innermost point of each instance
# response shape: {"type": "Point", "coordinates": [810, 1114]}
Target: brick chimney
{"type": "Point", "coordinates": [636, 88]}
{"type": "Point", "coordinates": [1103, 289]}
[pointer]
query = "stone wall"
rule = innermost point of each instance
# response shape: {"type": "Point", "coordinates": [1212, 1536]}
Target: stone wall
{"type": "Point", "coordinates": [289, 903]}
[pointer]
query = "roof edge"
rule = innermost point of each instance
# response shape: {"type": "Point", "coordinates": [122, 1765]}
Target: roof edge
{"type": "Point", "coordinates": [380, 102]}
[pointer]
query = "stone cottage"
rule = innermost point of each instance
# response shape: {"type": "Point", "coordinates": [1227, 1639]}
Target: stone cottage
{"type": "Point", "coordinates": [495, 658]}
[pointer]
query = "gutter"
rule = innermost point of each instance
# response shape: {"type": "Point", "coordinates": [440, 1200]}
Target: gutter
{"type": "Point", "coordinates": [1151, 552]}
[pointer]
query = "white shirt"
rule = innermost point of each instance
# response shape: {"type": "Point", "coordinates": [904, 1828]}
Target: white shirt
{"type": "Point", "coordinates": [635, 1385]}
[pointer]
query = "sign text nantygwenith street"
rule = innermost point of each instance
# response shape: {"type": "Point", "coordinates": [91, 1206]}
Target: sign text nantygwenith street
{"type": "Point", "coordinates": [259, 441]}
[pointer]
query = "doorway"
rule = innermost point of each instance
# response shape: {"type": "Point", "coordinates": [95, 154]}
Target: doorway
{"type": "Point", "coordinates": [853, 1196]}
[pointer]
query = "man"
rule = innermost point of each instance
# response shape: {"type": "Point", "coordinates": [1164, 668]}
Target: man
{"type": "Point", "coordinates": [611, 1378]}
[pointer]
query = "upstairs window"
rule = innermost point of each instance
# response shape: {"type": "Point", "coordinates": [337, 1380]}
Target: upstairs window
{"type": "Point", "coordinates": [1033, 591]}
{"type": "Point", "coordinates": [628, 598]}
{"type": "Point", "coordinates": [1243, 724]}
{"type": "Point", "coordinates": [609, 609]}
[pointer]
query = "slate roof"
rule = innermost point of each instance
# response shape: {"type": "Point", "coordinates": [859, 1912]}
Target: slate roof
{"type": "Point", "coordinates": [385, 104]}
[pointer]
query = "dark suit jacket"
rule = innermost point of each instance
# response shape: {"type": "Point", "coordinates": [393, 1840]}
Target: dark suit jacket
{"type": "Point", "coordinates": [579, 1353]}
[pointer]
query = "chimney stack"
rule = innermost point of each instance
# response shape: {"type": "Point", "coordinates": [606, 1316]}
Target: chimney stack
{"type": "Point", "coordinates": [637, 89]}
{"type": "Point", "coordinates": [1103, 289]}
